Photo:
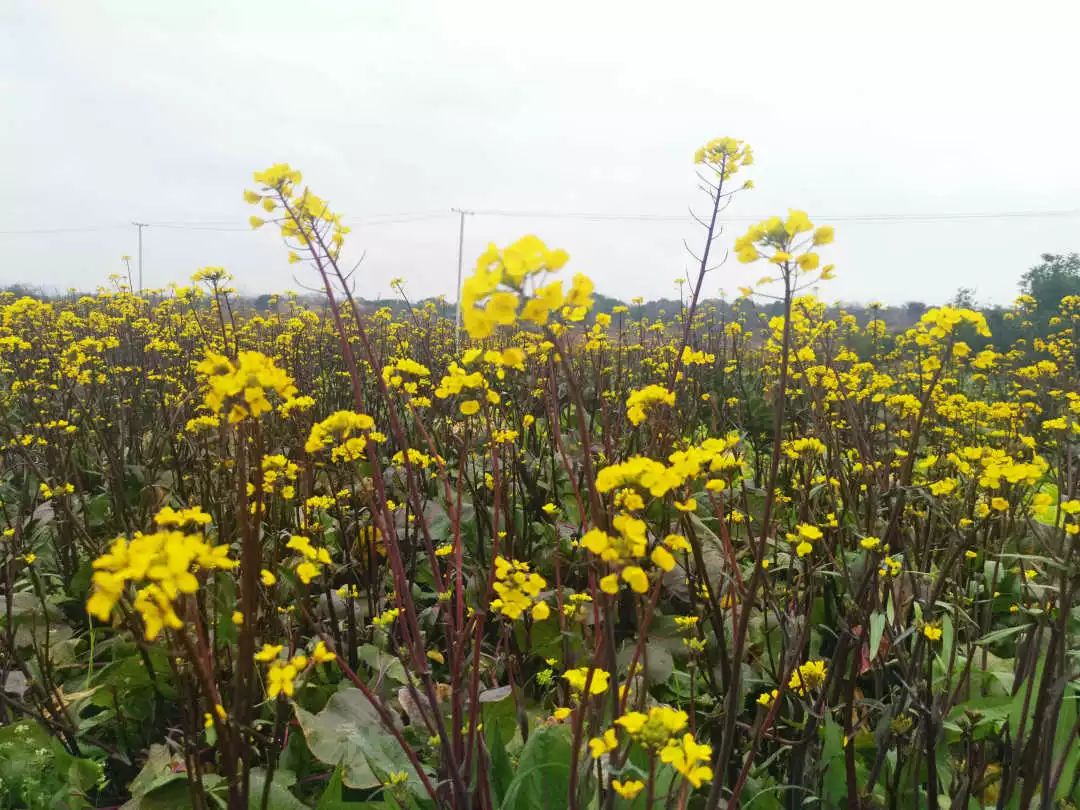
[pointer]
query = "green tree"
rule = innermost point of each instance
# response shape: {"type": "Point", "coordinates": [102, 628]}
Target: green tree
{"type": "Point", "coordinates": [1050, 281]}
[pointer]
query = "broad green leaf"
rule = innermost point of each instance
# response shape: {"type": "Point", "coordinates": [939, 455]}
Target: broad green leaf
{"type": "Point", "coordinates": [349, 733]}
{"type": "Point", "coordinates": [542, 781]}
{"type": "Point", "coordinates": [279, 797]}
{"type": "Point", "coordinates": [877, 629]}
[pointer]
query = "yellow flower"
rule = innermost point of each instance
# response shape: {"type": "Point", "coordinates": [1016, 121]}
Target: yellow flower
{"type": "Point", "coordinates": [280, 680]}
{"type": "Point", "coordinates": [629, 789]}
{"type": "Point", "coordinates": [932, 632]}
{"type": "Point", "coordinates": [269, 652]}
{"type": "Point", "coordinates": [636, 578]}
{"type": "Point", "coordinates": [643, 400]}
{"type": "Point", "coordinates": [662, 558]}
{"type": "Point", "coordinates": [655, 729]}
{"type": "Point", "coordinates": [676, 542]}
{"type": "Point", "coordinates": [307, 571]}
{"type": "Point", "coordinates": [610, 584]}
{"type": "Point", "coordinates": [267, 578]}
{"type": "Point", "coordinates": [576, 679]}
{"type": "Point", "coordinates": [810, 675]}
{"type": "Point", "coordinates": [517, 590]}
{"type": "Point", "coordinates": [240, 388]}
{"type": "Point", "coordinates": [322, 655]}
{"type": "Point", "coordinates": [598, 746]}
{"type": "Point", "coordinates": [689, 758]}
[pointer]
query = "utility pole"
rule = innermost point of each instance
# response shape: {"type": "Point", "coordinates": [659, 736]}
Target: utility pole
{"type": "Point", "coordinates": [140, 226]}
{"type": "Point", "coordinates": [460, 258]}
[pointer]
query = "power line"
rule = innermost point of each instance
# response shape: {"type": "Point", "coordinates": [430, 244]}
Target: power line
{"type": "Point", "coordinates": [852, 218]}
{"type": "Point", "coordinates": [224, 225]}
{"type": "Point", "coordinates": [74, 229]}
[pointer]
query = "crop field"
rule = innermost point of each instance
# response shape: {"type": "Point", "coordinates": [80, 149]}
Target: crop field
{"type": "Point", "coordinates": [762, 554]}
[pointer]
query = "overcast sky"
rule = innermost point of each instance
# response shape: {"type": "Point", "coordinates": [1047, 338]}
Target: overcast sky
{"type": "Point", "coordinates": [398, 111]}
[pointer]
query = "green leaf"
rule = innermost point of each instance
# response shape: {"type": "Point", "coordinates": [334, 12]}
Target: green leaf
{"type": "Point", "coordinates": [279, 798]}
{"type": "Point", "coordinates": [502, 771]}
{"type": "Point", "coordinates": [877, 629]}
{"type": "Point", "coordinates": [225, 603]}
{"type": "Point", "coordinates": [332, 799]}
{"type": "Point", "coordinates": [834, 782]}
{"type": "Point", "coordinates": [1000, 635]}
{"type": "Point", "coordinates": [542, 781]}
{"type": "Point", "coordinates": [1063, 742]}
{"type": "Point", "coordinates": [382, 664]}
{"type": "Point", "coordinates": [349, 733]}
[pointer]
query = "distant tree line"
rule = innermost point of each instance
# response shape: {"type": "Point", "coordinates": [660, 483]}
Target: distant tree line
{"type": "Point", "coordinates": [1055, 277]}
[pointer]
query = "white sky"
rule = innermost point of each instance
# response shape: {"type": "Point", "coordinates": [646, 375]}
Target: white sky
{"type": "Point", "coordinates": [116, 111]}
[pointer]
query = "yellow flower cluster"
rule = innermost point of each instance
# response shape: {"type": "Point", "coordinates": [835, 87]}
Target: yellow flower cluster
{"type": "Point", "coordinates": [312, 558]}
{"type": "Point", "coordinates": [577, 678]}
{"type": "Point", "coordinates": [712, 455]}
{"type": "Point", "coordinates": [457, 381]}
{"type": "Point", "coordinates": [656, 729]}
{"type": "Point", "coordinates": [799, 448]}
{"type": "Point", "coordinates": [810, 675]}
{"type": "Point", "coordinates": [305, 218]}
{"type": "Point", "coordinates": [496, 291]}
{"type": "Point", "coordinates": [48, 493]}
{"type": "Point", "coordinates": [406, 375]}
{"type": "Point", "coordinates": [772, 239]}
{"type": "Point", "coordinates": [279, 473]}
{"type": "Point", "coordinates": [518, 589]}
{"type": "Point", "coordinates": [725, 155]}
{"type": "Point", "coordinates": [690, 357]}
{"type": "Point", "coordinates": [178, 518]}
{"type": "Point", "coordinates": [804, 537]}
{"type": "Point", "coordinates": [163, 564]}
{"type": "Point", "coordinates": [241, 387]}
{"type": "Point", "coordinates": [281, 674]}
{"type": "Point", "coordinates": [346, 432]}
{"type": "Point", "coordinates": [644, 399]}
{"type": "Point", "coordinates": [941, 322]}
{"type": "Point", "coordinates": [689, 758]}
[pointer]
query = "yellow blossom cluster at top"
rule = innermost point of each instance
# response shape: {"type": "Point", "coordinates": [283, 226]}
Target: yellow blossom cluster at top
{"type": "Point", "coordinates": [241, 387]}
{"type": "Point", "coordinates": [163, 565]}
{"type": "Point", "coordinates": [305, 219]}
{"type": "Point", "coordinates": [281, 674]}
{"type": "Point", "coordinates": [472, 386]}
{"type": "Point", "coordinates": [777, 240]}
{"type": "Point", "coordinates": [408, 376]}
{"type": "Point", "coordinates": [312, 558]}
{"type": "Point", "coordinates": [518, 589]}
{"type": "Point", "coordinates": [658, 479]}
{"type": "Point", "coordinates": [640, 402]}
{"type": "Point", "coordinates": [344, 432]}
{"type": "Point", "coordinates": [658, 732]}
{"type": "Point", "coordinates": [505, 286]}
{"type": "Point", "coordinates": [725, 155]}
